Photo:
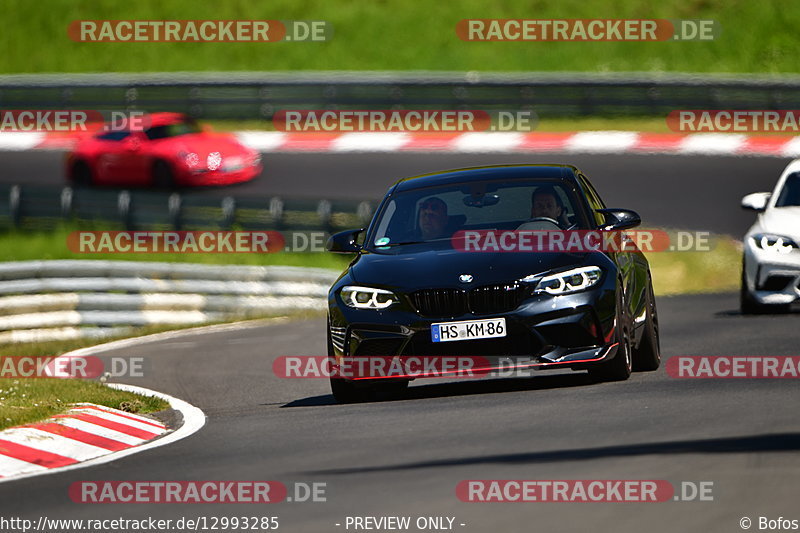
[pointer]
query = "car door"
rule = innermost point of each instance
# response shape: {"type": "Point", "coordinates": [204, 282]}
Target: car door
{"type": "Point", "coordinates": [631, 263]}
{"type": "Point", "coordinates": [121, 160]}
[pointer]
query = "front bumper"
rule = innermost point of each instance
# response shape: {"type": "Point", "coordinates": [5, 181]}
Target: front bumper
{"type": "Point", "coordinates": [220, 177]}
{"type": "Point", "coordinates": [772, 278]}
{"type": "Point", "coordinates": [573, 331]}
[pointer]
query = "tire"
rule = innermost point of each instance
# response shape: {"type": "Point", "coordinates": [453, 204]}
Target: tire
{"type": "Point", "coordinates": [621, 366]}
{"type": "Point", "coordinates": [82, 174]}
{"type": "Point", "coordinates": [748, 305]}
{"type": "Point", "coordinates": [345, 391]}
{"type": "Point", "coordinates": [163, 177]}
{"type": "Point", "coordinates": [647, 356]}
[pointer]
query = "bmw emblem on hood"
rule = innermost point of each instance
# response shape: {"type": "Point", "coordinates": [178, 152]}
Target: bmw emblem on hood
{"type": "Point", "coordinates": [465, 278]}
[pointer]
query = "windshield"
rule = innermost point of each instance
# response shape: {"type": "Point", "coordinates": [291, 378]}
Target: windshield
{"type": "Point", "coordinates": [172, 130]}
{"type": "Point", "coordinates": [790, 193]}
{"type": "Point", "coordinates": [435, 213]}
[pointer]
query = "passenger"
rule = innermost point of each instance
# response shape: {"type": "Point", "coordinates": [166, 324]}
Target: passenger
{"type": "Point", "coordinates": [433, 219]}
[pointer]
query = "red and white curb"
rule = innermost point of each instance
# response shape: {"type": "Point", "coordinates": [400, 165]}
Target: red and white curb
{"type": "Point", "coordinates": [88, 435]}
{"type": "Point", "coordinates": [193, 418]}
{"type": "Point", "coordinates": [599, 142]}
{"type": "Point", "coordinates": [86, 431]}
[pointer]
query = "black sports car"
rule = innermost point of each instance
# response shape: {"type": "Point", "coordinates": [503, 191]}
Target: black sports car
{"type": "Point", "coordinates": [414, 289]}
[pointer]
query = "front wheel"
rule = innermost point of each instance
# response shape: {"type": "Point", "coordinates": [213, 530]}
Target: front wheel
{"type": "Point", "coordinates": [163, 177]}
{"type": "Point", "coordinates": [621, 366]}
{"type": "Point", "coordinates": [346, 392]}
{"type": "Point", "coordinates": [82, 174]}
{"type": "Point", "coordinates": [647, 356]}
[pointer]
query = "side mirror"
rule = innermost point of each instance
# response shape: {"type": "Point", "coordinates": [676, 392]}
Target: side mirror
{"type": "Point", "coordinates": [344, 242]}
{"type": "Point", "coordinates": [619, 219]}
{"type": "Point", "coordinates": [756, 201]}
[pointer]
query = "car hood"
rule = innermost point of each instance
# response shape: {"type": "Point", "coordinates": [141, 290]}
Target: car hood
{"type": "Point", "coordinates": [203, 144]}
{"type": "Point", "coordinates": [412, 270]}
{"type": "Point", "coordinates": [781, 221]}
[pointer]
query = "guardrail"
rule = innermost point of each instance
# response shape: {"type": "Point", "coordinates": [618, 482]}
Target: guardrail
{"type": "Point", "coordinates": [57, 300]}
{"type": "Point", "coordinates": [259, 95]}
{"type": "Point", "coordinates": [45, 207]}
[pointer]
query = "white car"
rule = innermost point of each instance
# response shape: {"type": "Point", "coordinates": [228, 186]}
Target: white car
{"type": "Point", "coordinates": [771, 264]}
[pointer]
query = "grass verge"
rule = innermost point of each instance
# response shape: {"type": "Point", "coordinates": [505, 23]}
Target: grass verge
{"type": "Point", "coordinates": [718, 270]}
{"type": "Point", "coordinates": [673, 272]}
{"type": "Point", "coordinates": [402, 35]}
{"type": "Point", "coordinates": [23, 401]}
{"type": "Point", "coordinates": [643, 124]}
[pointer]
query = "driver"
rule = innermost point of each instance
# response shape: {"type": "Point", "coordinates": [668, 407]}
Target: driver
{"type": "Point", "coordinates": [545, 202]}
{"type": "Point", "coordinates": [433, 219]}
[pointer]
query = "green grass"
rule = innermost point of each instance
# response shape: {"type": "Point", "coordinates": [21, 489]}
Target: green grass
{"type": "Point", "coordinates": [718, 270]}
{"type": "Point", "coordinates": [644, 124]}
{"type": "Point", "coordinates": [401, 35]}
{"type": "Point", "coordinates": [647, 124]}
{"type": "Point", "coordinates": [23, 401]}
{"type": "Point", "coordinates": [673, 272]}
{"type": "Point", "coordinates": [36, 245]}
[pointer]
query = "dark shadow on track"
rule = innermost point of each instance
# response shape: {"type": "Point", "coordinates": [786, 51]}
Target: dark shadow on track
{"type": "Point", "coordinates": [465, 388]}
{"type": "Point", "coordinates": [736, 312]}
{"type": "Point", "coordinates": [779, 442]}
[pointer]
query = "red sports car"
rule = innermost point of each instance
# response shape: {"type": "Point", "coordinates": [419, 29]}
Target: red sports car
{"type": "Point", "coordinates": [172, 150]}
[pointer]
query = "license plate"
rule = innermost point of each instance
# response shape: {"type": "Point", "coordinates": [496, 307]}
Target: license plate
{"type": "Point", "coordinates": [468, 329]}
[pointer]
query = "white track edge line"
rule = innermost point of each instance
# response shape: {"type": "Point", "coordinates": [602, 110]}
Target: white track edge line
{"type": "Point", "coordinates": [173, 334]}
{"type": "Point", "coordinates": [193, 420]}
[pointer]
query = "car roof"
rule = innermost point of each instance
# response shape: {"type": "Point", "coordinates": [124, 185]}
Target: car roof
{"type": "Point", "coordinates": [164, 118]}
{"type": "Point", "coordinates": [491, 172]}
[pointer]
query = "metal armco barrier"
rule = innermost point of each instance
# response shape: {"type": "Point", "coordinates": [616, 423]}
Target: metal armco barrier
{"type": "Point", "coordinates": [45, 207]}
{"type": "Point", "coordinates": [254, 95]}
{"type": "Point", "coordinates": [57, 300]}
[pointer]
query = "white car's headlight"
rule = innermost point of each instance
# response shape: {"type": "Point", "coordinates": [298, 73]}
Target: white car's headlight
{"type": "Point", "coordinates": [367, 297]}
{"type": "Point", "coordinates": [574, 280]}
{"type": "Point", "coordinates": [774, 243]}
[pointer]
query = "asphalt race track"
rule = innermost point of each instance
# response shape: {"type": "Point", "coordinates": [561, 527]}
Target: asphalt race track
{"type": "Point", "coordinates": [405, 457]}
{"type": "Point", "coordinates": [681, 192]}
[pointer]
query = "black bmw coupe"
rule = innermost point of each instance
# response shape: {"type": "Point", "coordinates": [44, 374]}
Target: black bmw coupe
{"type": "Point", "coordinates": [445, 268]}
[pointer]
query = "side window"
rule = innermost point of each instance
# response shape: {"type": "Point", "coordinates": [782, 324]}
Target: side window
{"type": "Point", "coordinates": [114, 135]}
{"type": "Point", "coordinates": [594, 200]}
{"type": "Point", "coordinates": [790, 194]}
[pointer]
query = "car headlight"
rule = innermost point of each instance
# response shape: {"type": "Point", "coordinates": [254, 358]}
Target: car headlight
{"type": "Point", "coordinates": [569, 281]}
{"type": "Point", "coordinates": [774, 243]}
{"type": "Point", "coordinates": [191, 159]}
{"type": "Point", "coordinates": [367, 297]}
